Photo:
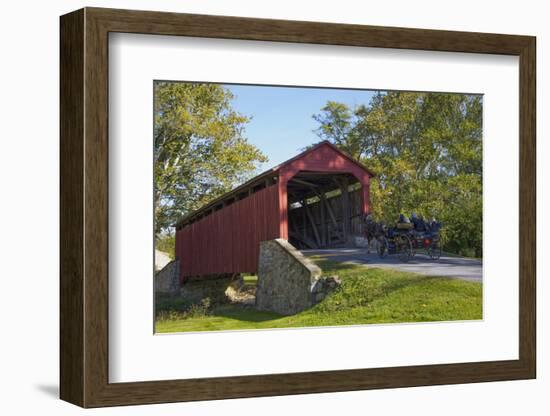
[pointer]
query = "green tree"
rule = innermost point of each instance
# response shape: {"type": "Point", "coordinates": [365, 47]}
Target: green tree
{"type": "Point", "coordinates": [427, 151]}
{"type": "Point", "coordinates": [200, 150]}
{"type": "Point", "coordinates": [336, 123]}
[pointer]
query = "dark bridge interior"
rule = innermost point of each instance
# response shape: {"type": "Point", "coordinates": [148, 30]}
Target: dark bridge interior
{"type": "Point", "coordinates": [324, 210]}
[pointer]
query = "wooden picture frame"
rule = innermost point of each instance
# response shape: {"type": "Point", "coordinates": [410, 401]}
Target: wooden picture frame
{"type": "Point", "coordinates": [84, 207]}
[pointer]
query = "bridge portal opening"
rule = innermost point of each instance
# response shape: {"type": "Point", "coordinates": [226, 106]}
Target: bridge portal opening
{"type": "Point", "coordinates": [325, 210]}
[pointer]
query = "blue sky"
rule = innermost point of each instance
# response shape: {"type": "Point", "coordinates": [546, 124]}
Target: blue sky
{"type": "Point", "coordinates": [282, 122]}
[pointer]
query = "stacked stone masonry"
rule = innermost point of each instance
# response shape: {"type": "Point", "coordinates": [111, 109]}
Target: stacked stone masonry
{"type": "Point", "coordinates": [288, 282]}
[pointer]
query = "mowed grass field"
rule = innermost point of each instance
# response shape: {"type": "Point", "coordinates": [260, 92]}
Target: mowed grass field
{"type": "Point", "coordinates": [366, 296]}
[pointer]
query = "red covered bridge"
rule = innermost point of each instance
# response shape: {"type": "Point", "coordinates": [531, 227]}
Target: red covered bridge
{"type": "Point", "coordinates": [314, 200]}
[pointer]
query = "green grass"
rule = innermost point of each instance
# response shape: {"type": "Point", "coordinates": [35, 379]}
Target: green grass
{"type": "Point", "coordinates": [367, 296]}
{"type": "Point", "coordinates": [250, 280]}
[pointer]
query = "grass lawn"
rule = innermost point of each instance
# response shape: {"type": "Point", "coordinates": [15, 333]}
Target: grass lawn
{"type": "Point", "coordinates": [367, 296]}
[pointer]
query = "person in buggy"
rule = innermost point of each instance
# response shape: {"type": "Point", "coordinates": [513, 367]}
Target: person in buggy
{"type": "Point", "coordinates": [403, 219]}
{"type": "Point", "coordinates": [403, 223]}
{"type": "Point", "coordinates": [419, 223]}
{"type": "Point", "coordinates": [434, 226]}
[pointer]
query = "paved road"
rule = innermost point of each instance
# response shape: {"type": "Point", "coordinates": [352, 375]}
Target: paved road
{"type": "Point", "coordinates": [453, 267]}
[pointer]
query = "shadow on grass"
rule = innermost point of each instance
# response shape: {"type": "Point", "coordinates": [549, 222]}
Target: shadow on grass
{"type": "Point", "coordinates": [330, 266]}
{"type": "Point", "coordinates": [244, 313]}
{"type": "Point", "coordinates": [361, 286]}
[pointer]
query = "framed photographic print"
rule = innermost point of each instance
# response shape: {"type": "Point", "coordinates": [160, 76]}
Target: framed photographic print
{"type": "Point", "coordinates": [255, 207]}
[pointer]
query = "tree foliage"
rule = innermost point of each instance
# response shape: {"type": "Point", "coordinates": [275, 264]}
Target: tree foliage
{"type": "Point", "coordinates": [426, 149]}
{"type": "Point", "coordinates": [200, 150]}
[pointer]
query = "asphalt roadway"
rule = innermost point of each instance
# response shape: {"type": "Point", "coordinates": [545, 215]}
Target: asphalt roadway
{"type": "Point", "coordinates": [452, 267]}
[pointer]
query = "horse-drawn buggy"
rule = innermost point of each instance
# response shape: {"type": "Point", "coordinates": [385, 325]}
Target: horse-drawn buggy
{"type": "Point", "coordinates": [406, 238]}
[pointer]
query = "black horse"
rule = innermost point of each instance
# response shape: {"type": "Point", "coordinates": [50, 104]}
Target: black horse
{"type": "Point", "coordinates": [373, 230]}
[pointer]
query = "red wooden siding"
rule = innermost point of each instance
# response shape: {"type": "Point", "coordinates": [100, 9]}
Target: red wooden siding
{"type": "Point", "coordinates": [228, 240]}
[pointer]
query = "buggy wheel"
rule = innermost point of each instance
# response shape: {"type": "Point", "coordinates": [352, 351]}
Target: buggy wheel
{"type": "Point", "coordinates": [434, 251]}
{"type": "Point", "coordinates": [383, 247]}
{"type": "Point", "coordinates": [403, 247]}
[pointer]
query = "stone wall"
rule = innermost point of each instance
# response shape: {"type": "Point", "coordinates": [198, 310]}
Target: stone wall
{"type": "Point", "coordinates": [285, 278]}
{"type": "Point", "coordinates": [167, 279]}
{"type": "Point", "coordinates": [323, 286]}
